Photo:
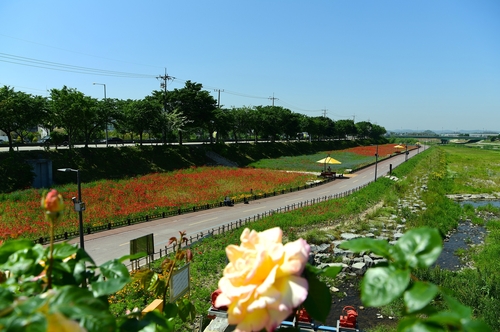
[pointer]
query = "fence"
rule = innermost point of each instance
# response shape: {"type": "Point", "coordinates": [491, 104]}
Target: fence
{"type": "Point", "coordinates": [136, 264]}
{"type": "Point", "coordinates": [131, 221]}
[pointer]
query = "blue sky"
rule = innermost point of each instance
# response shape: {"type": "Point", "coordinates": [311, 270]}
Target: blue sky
{"type": "Point", "coordinates": [401, 64]}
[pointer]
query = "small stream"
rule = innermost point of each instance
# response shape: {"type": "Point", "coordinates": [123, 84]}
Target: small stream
{"type": "Point", "coordinates": [463, 237]}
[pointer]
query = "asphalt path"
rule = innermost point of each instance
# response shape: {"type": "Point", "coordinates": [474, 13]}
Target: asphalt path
{"type": "Point", "coordinates": [115, 243]}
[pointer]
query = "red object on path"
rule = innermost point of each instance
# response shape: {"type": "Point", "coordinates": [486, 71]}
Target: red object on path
{"type": "Point", "coordinates": [348, 317]}
{"type": "Point", "coordinates": [214, 296]}
{"type": "Point", "coordinates": [304, 316]}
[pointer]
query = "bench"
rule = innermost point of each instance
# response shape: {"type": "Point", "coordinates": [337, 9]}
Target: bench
{"type": "Point", "coordinates": [328, 174]}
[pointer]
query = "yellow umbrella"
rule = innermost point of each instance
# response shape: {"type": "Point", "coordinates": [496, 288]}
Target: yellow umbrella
{"type": "Point", "coordinates": [399, 147]}
{"type": "Point", "coordinates": [328, 160]}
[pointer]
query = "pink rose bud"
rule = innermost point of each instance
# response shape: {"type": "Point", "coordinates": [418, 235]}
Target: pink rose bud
{"type": "Point", "coordinates": [53, 202]}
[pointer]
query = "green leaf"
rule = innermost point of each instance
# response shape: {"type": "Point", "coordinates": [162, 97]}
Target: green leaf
{"type": "Point", "coordinates": [74, 301]}
{"type": "Point", "coordinates": [378, 247]}
{"type": "Point", "coordinates": [311, 269]}
{"type": "Point", "coordinates": [152, 319]}
{"type": "Point", "coordinates": [170, 310]}
{"type": "Point", "coordinates": [457, 307]}
{"type": "Point", "coordinates": [109, 286]}
{"type": "Point", "coordinates": [331, 271]}
{"type": "Point", "coordinates": [187, 310]}
{"type": "Point", "coordinates": [421, 247]}
{"type": "Point", "coordinates": [114, 269]}
{"type": "Point", "coordinates": [132, 257]}
{"type": "Point", "coordinates": [6, 298]}
{"type": "Point", "coordinates": [414, 324]}
{"type": "Point", "coordinates": [382, 285]}
{"type": "Point", "coordinates": [145, 277]}
{"type": "Point", "coordinates": [34, 322]}
{"type": "Point", "coordinates": [9, 247]}
{"type": "Point", "coordinates": [475, 326]}
{"type": "Point", "coordinates": [419, 295]}
{"type": "Point", "coordinates": [62, 250]}
{"type": "Point", "coordinates": [319, 299]}
{"type": "Point", "coordinates": [446, 318]}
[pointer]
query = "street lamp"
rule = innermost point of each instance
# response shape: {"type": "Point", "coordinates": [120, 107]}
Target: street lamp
{"type": "Point", "coordinates": [376, 161]}
{"type": "Point", "coordinates": [106, 129]}
{"type": "Point", "coordinates": [79, 205]}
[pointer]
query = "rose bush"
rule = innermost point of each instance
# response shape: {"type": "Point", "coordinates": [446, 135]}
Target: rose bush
{"type": "Point", "coordinates": [262, 283]}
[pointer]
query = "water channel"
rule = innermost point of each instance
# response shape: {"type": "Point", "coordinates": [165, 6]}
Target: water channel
{"type": "Point", "coordinates": [463, 237]}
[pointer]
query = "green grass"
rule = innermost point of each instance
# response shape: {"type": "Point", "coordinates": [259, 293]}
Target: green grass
{"type": "Point", "coordinates": [309, 163]}
{"type": "Point", "coordinates": [477, 288]}
{"type": "Point", "coordinates": [473, 170]}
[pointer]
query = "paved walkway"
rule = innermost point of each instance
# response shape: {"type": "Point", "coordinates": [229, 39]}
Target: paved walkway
{"type": "Point", "coordinates": [115, 243]}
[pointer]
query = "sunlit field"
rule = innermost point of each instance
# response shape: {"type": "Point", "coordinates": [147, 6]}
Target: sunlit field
{"type": "Point", "coordinates": [350, 159]}
{"type": "Point", "coordinates": [108, 201]}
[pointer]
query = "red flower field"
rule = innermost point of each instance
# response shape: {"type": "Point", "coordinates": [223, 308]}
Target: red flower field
{"type": "Point", "coordinates": [384, 150]}
{"type": "Point", "coordinates": [108, 201]}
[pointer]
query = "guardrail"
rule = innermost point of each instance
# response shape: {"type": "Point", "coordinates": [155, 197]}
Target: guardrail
{"type": "Point", "coordinates": [172, 212]}
{"type": "Point", "coordinates": [191, 239]}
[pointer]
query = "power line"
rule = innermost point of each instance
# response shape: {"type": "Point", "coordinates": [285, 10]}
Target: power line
{"type": "Point", "coordinates": [91, 55]}
{"type": "Point", "coordinates": [25, 61]}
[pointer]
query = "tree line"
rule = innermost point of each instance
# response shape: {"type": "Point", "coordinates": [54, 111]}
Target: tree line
{"type": "Point", "coordinates": [188, 113]}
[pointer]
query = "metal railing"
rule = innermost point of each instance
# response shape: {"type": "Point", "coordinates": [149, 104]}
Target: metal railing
{"type": "Point", "coordinates": [191, 239]}
{"type": "Point", "coordinates": [172, 212]}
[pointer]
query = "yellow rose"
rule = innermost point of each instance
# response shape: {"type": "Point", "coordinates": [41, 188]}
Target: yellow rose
{"type": "Point", "coordinates": [262, 285]}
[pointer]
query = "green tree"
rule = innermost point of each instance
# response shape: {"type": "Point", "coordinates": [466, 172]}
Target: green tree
{"type": "Point", "coordinates": [194, 103]}
{"type": "Point", "coordinates": [108, 113]}
{"type": "Point", "coordinates": [364, 129]}
{"type": "Point", "coordinates": [19, 112]}
{"type": "Point", "coordinates": [143, 115]}
{"type": "Point", "coordinates": [345, 128]}
{"type": "Point", "coordinates": [69, 110]}
{"type": "Point", "coordinates": [377, 131]}
{"type": "Point", "coordinates": [272, 120]}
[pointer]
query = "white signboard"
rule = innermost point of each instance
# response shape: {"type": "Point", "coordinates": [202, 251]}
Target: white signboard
{"type": "Point", "coordinates": [179, 283]}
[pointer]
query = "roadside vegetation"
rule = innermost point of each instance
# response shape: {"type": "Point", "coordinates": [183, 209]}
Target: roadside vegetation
{"type": "Point", "coordinates": [111, 201]}
{"type": "Point", "coordinates": [476, 288]}
{"type": "Point", "coordinates": [440, 169]}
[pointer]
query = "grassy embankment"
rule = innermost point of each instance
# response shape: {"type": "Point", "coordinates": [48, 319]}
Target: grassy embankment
{"type": "Point", "coordinates": [475, 288]}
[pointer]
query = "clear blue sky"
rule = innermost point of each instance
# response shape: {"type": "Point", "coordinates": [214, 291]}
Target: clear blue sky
{"type": "Point", "coordinates": [401, 64]}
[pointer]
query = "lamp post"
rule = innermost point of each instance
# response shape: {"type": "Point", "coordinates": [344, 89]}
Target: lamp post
{"type": "Point", "coordinates": [376, 162]}
{"type": "Point", "coordinates": [79, 205]}
{"type": "Point", "coordinates": [106, 129]}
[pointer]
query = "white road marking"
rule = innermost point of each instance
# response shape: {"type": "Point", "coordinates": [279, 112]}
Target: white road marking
{"type": "Point", "coordinates": [259, 208]}
{"type": "Point", "coordinates": [199, 222]}
{"type": "Point", "coordinates": [344, 185]}
{"type": "Point", "coordinates": [297, 199]}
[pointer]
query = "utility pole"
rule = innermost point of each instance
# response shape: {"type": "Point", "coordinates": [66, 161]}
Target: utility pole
{"type": "Point", "coordinates": [273, 98]}
{"type": "Point", "coordinates": [324, 112]}
{"type": "Point", "coordinates": [165, 78]}
{"type": "Point", "coordinates": [218, 96]}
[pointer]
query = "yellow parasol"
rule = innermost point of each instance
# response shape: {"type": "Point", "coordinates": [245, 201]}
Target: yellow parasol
{"type": "Point", "coordinates": [328, 160]}
{"type": "Point", "coordinates": [399, 146]}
